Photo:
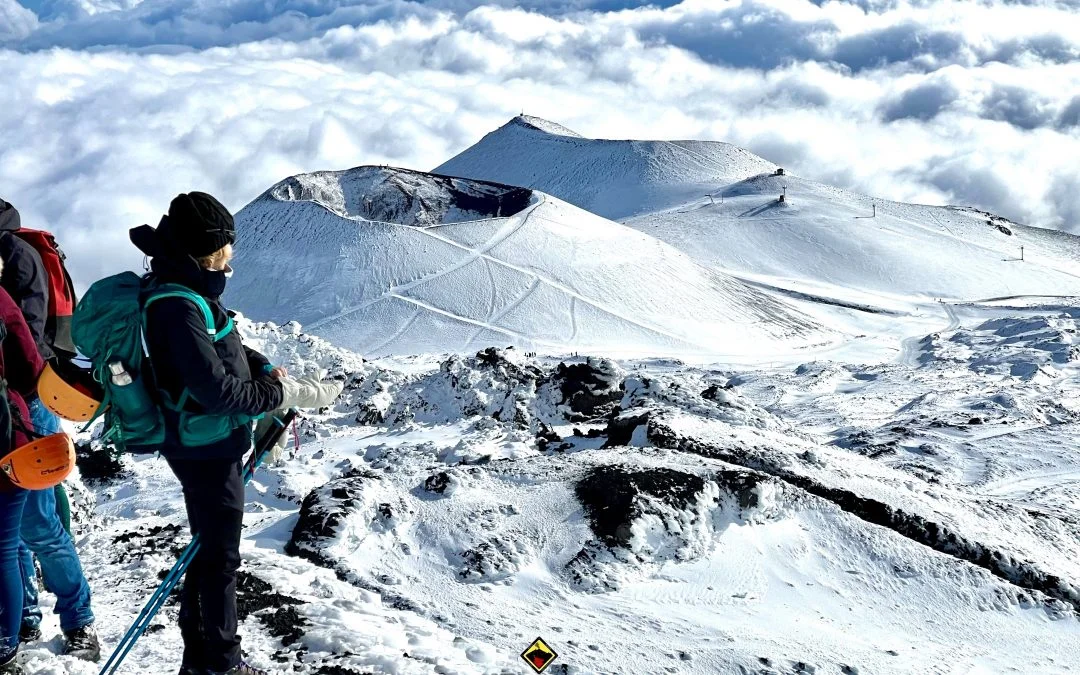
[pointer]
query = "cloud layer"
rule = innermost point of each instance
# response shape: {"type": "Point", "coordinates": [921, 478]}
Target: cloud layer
{"type": "Point", "coordinates": [114, 106]}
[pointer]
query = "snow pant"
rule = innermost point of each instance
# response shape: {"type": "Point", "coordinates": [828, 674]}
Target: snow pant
{"type": "Point", "coordinates": [67, 571]}
{"type": "Point", "coordinates": [11, 583]}
{"type": "Point", "coordinates": [214, 497]}
{"type": "Point", "coordinates": [61, 570]}
{"type": "Point", "coordinates": [31, 616]}
{"type": "Point", "coordinates": [31, 613]}
{"type": "Point", "coordinates": [44, 422]}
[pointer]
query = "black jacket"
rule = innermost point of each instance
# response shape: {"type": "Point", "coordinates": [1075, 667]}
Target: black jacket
{"type": "Point", "coordinates": [223, 377]}
{"type": "Point", "coordinates": [24, 277]}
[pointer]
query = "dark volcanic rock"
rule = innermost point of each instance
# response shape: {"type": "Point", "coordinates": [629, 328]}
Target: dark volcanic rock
{"type": "Point", "coordinates": [546, 436]}
{"type": "Point", "coordinates": [591, 389]}
{"type": "Point", "coordinates": [334, 669]}
{"type": "Point", "coordinates": [406, 197]}
{"type": "Point", "coordinates": [496, 360]}
{"type": "Point", "coordinates": [255, 596]}
{"type": "Point", "coordinates": [323, 511]}
{"type": "Point", "coordinates": [609, 496]}
{"type": "Point", "coordinates": [621, 428]}
{"type": "Point", "coordinates": [369, 415]}
{"type": "Point", "coordinates": [98, 465]}
{"type": "Point", "coordinates": [137, 544]}
{"type": "Point", "coordinates": [437, 483]}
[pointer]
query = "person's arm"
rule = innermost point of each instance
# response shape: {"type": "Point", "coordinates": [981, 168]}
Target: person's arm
{"type": "Point", "coordinates": [27, 283]}
{"type": "Point", "coordinates": [22, 360]}
{"type": "Point", "coordinates": [180, 328]}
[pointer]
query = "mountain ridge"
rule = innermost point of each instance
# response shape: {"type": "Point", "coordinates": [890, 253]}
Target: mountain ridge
{"type": "Point", "coordinates": [430, 275]}
{"type": "Point", "coordinates": [612, 178]}
{"type": "Point", "coordinates": [742, 215]}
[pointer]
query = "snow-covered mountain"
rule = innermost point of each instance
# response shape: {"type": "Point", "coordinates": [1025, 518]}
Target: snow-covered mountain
{"type": "Point", "coordinates": [387, 260]}
{"type": "Point", "coordinates": [614, 179]}
{"type": "Point", "coordinates": [721, 205]}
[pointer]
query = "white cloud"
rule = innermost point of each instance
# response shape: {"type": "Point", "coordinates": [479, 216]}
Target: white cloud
{"type": "Point", "coordinates": [939, 101]}
{"type": "Point", "coordinates": [16, 22]}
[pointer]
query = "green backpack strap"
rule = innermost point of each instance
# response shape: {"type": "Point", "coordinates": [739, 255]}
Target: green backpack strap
{"type": "Point", "coordinates": [178, 291]}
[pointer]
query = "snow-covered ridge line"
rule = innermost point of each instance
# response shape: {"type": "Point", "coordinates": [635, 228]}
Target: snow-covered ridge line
{"type": "Point", "coordinates": [330, 190]}
{"type": "Point", "coordinates": [612, 178]}
{"type": "Point", "coordinates": [549, 277]}
{"type": "Point", "coordinates": [741, 215]}
{"type": "Point", "coordinates": [941, 538]}
{"type": "Point", "coordinates": [542, 125]}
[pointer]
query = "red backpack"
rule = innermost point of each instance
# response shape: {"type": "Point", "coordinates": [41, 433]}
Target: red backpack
{"type": "Point", "coordinates": [61, 291]}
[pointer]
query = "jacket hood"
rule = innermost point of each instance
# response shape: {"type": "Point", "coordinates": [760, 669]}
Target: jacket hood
{"type": "Point", "coordinates": [9, 217]}
{"type": "Point", "coordinates": [175, 267]}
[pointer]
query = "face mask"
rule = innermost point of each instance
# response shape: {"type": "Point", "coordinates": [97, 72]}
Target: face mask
{"type": "Point", "coordinates": [228, 271]}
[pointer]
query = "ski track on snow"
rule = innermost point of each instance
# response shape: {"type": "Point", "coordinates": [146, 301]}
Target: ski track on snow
{"type": "Point", "coordinates": [508, 229]}
{"type": "Point", "coordinates": [481, 253]}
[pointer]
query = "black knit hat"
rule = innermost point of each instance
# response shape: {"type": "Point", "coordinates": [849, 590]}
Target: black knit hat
{"type": "Point", "coordinates": [197, 224]}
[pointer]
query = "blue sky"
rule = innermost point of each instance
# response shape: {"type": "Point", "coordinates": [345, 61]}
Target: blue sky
{"type": "Point", "coordinates": [116, 105]}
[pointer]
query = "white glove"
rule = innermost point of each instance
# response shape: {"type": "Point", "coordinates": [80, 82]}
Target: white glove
{"type": "Point", "coordinates": [267, 425]}
{"type": "Point", "coordinates": [309, 392]}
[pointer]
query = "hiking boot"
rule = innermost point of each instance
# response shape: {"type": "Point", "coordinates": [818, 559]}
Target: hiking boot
{"type": "Point", "coordinates": [8, 664]}
{"type": "Point", "coordinates": [83, 643]}
{"type": "Point", "coordinates": [189, 670]}
{"type": "Point", "coordinates": [245, 668]}
{"type": "Point", "coordinates": [29, 633]}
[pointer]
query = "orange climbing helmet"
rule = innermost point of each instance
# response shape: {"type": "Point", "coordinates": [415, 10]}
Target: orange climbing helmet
{"type": "Point", "coordinates": [69, 392]}
{"type": "Point", "coordinates": [40, 464]}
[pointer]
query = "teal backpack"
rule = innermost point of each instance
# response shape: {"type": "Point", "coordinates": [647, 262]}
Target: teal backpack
{"type": "Point", "coordinates": [107, 328]}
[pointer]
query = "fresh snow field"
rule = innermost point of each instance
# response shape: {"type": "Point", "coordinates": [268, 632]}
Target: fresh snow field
{"type": "Point", "coordinates": [666, 433]}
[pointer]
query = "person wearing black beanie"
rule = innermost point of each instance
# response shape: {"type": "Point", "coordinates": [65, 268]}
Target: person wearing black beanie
{"type": "Point", "coordinates": [218, 377]}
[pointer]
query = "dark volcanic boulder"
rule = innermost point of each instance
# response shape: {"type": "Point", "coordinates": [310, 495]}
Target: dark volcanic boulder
{"type": "Point", "coordinates": [610, 496]}
{"type": "Point", "coordinates": [324, 510]}
{"type": "Point", "coordinates": [591, 389]}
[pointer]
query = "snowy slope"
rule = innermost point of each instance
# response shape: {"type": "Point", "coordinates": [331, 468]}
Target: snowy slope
{"type": "Point", "coordinates": [825, 518]}
{"type": "Point", "coordinates": [615, 179]}
{"type": "Point", "coordinates": [392, 261]}
{"type": "Point", "coordinates": [720, 205]}
{"type": "Point", "coordinates": [823, 240]}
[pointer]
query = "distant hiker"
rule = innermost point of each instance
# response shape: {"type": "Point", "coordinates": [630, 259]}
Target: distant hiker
{"type": "Point", "coordinates": [214, 379]}
{"type": "Point", "coordinates": [20, 365]}
{"type": "Point", "coordinates": [44, 295]}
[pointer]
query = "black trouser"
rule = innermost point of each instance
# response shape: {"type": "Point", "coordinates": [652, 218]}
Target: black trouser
{"type": "Point", "coordinates": [214, 496]}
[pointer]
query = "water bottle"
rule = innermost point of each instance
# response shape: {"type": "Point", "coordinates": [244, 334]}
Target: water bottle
{"type": "Point", "coordinates": [132, 403]}
{"type": "Point", "coordinates": [120, 376]}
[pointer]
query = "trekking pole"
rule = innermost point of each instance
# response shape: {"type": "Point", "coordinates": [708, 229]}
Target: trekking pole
{"type": "Point", "coordinates": [161, 594]}
{"type": "Point", "coordinates": [157, 600]}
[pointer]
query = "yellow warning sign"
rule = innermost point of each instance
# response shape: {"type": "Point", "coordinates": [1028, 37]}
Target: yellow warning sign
{"type": "Point", "coordinates": [539, 655]}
